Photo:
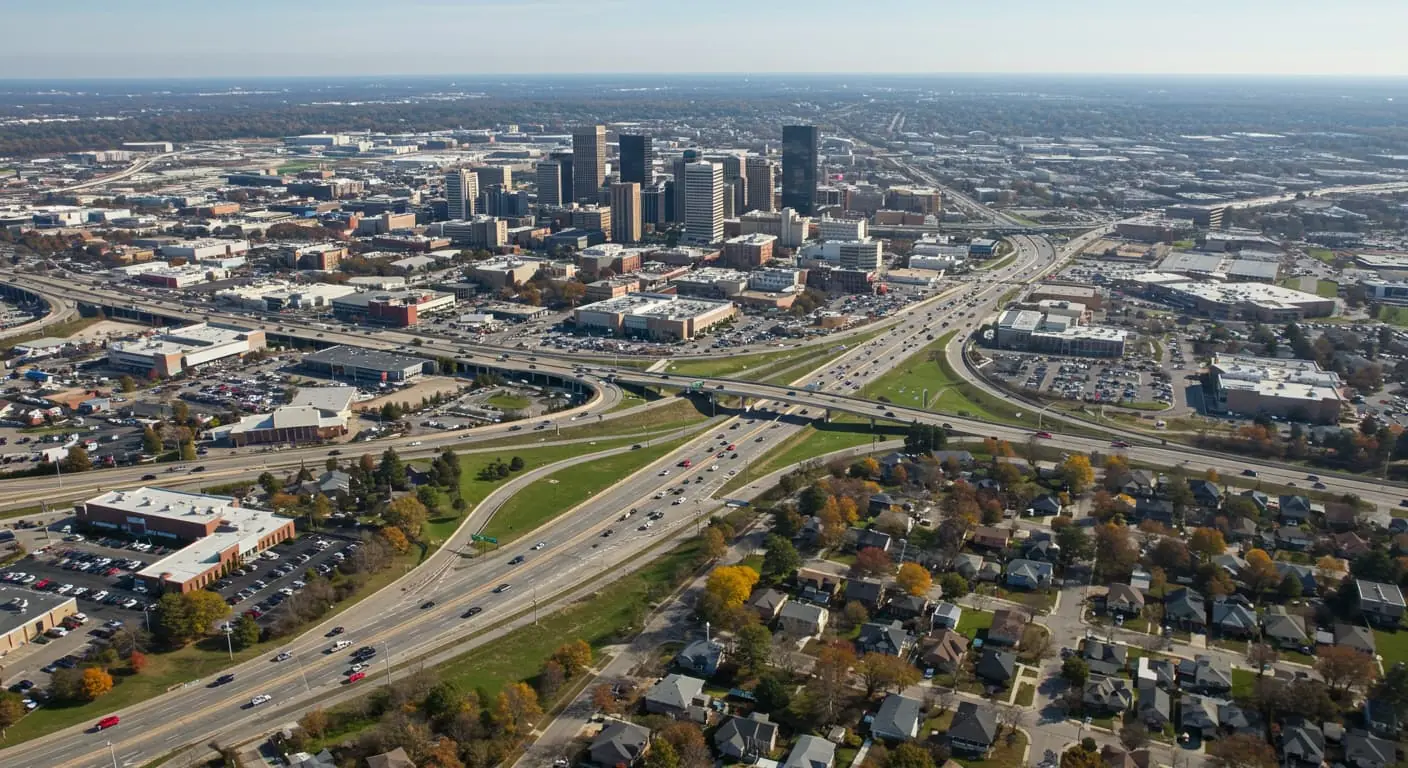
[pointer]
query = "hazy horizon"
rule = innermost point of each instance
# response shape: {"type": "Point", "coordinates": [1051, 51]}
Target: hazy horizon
{"type": "Point", "coordinates": [476, 38]}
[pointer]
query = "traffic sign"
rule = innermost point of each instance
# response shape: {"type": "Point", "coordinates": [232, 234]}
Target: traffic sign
{"type": "Point", "coordinates": [485, 539]}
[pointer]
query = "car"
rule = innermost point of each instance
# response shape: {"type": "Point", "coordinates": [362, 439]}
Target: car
{"type": "Point", "coordinates": [1249, 473]}
{"type": "Point", "coordinates": [200, 468]}
{"type": "Point", "coordinates": [108, 722]}
{"type": "Point", "coordinates": [223, 679]}
{"type": "Point", "coordinates": [1313, 478]}
{"type": "Point", "coordinates": [335, 452]}
{"type": "Point", "coordinates": [539, 545]}
{"type": "Point", "coordinates": [516, 560]}
{"type": "Point", "coordinates": [339, 645]}
{"type": "Point", "coordinates": [147, 477]}
{"type": "Point", "coordinates": [503, 588]}
{"type": "Point", "coordinates": [1319, 486]}
{"type": "Point", "coordinates": [284, 656]}
{"type": "Point", "coordinates": [1042, 435]}
{"type": "Point", "coordinates": [355, 676]}
{"type": "Point", "coordinates": [609, 531]}
{"type": "Point", "coordinates": [262, 698]}
{"type": "Point", "coordinates": [355, 668]}
{"type": "Point", "coordinates": [335, 631]}
{"type": "Point", "coordinates": [471, 612]}
{"type": "Point", "coordinates": [1119, 444]}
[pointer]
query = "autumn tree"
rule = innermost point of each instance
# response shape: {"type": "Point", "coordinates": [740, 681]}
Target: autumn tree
{"type": "Point", "coordinates": [395, 539]}
{"type": "Point", "coordinates": [1260, 573]}
{"type": "Point", "coordinates": [1345, 669]}
{"type": "Point", "coordinates": [1207, 543]}
{"type": "Point", "coordinates": [662, 755]}
{"type": "Point", "coordinates": [826, 692]}
{"type": "Point", "coordinates": [1077, 472]}
{"type": "Point", "coordinates": [688, 741]}
{"type": "Point", "coordinates": [1115, 553]}
{"type": "Point", "coordinates": [1242, 750]}
{"type": "Point", "coordinates": [408, 514]}
{"type": "Point", "coordinates": [137, 661]}
{"type": "Point", "coordinates": [881, 672]}
{"type": "Point", "coordinates": [914, 579]}
{"type": "Point", "coordinates": [1081, 757]}
{"type": "Point", "coordinates": [314, 722]}
{"type": "Point", "coordinates": [730, 585]}
{"type": "Point", "coordinates": [575, 656]}
{"type": "Point", "coordinates": [11, 709]}
{"type": "Point", "coordinates": [96, 682]}
{"type": "Point", "coordinates": [714, 544]}
{"type": "Point", "coordinates": [183, 617]}
{"type": "Point", "coordinates": [873, 562]}
{"type": "Point", "coordinates": [517, 708]}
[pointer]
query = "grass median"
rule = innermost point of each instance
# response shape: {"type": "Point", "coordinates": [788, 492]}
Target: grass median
{"type": "Point", "coordinates": [928, 369]}
{"type": "Point", "coordinates": [812, 441]}
{"type": "Point", "coordinates": [681, 413]}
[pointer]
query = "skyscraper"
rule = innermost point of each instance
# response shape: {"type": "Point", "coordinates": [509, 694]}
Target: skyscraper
{"type": "Point", "coordinates": [564, 159]}
{"type": "Point", "coordinates": [759, 172]}
{"type": "Point", "coordinates": [549, 176]}
{"type": "Point", "coordinates": [461, 191]}
{"type": "Point", "coordinates": [704, 202]}
{"type": "Point", "coordinates": [678, 207]}
{"type": "Point", "coordinates": [625, 212]}
{"type": "Point", "coordinates": [589, 164]}
{"type": "Point", "coordinates": [800, 146]}
{"type": "Point", "coordinates": [637, 154]}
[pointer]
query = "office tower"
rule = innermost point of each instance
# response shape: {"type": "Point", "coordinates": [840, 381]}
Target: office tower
{"type": "Point", "coordinates": [729, 192]}
{"type": "Point", "coordinates": [564, 159]}
{"type": "Point", "coordinates": [652, 204]}
{"type": "Point", "coordinates": [738, 197]}
{"type": "Point", "coordinates": [549, 183]}
{"type": "Point", "coordinates": [759, 171]}
{"type": "Point", "coordinates": [490, 175]}
{"type": "Point", "coordinates": [704, 202]}
{"type": "Point", "coordinates": [588, 164]}
{"type": "Point", "coordinates": [461, 191]}
{"type": "Point", "coordinates": [637, 155]}
{"type": "Point", "coordinates": [800, 145]}
{"type": "Point", "coordinates": [625, 212]}
{"type": "Point", "coordinates": [689, 156]}
{"type": "Point", "coordinates": [733, 167]}
{"type": "Point", "coordinates": [672, 214]}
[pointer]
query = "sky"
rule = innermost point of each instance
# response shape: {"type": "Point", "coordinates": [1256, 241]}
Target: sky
{"type": "Point", "coordinates": [211, 38]}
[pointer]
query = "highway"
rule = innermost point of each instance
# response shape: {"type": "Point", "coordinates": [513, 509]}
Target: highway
{"type": "Point", "coordinates": [393, 622]}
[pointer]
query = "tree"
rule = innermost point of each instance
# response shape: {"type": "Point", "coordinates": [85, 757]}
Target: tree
{"type": "Point", "coordinates": [1290, 588]}
{"type": "Point", "coordinates": [188, 450]}
{"type": "Point", "coordinates": [151, 441]}
{"type": "Point", "coordinates": [11, 709]}
{"type": "Point", "coordinates": [873, 561]}
{"type": "Point", "coordinates": [550, 679]}
{"type": "Point", "coordinates": [408, 514]}
{"type": "Point", "coordinates": [1077, 472]}
{"type": "Point", "coordinates": [780, 561]}
{"type": "Point", "coordinates": [826, 692]}
{"type": "Point", "coordinates": [78, 460]}
{"type": "Point", "coordinates": [392, 471]}
{"type": "Point", "coordinates": [517, 708]}
{"type": "Point", "coordinates": [1075, 671]}
{"type": "Point", "coordinates": [1345, 669]}
{"type": "Point", "coordinates": [914, 579]}
{"type": "Point", "coordinates": [1075, 545]}
{"type": "Point", "coordinates": [954, 585]}
{"type": "Point", "coordinates": [689, 744]}
{"type": "Point", "coordinates": [187, 616]}
{"type": "Point", "coordinates": [444, 702]}
{"type": "Point", "coordinates": [730, 585]}
{"type": "Point", "coordinates": [126, 384]}
{"type": "Point", "coordinates": [1115, 553]}
{"type": "Point", "coordinates": [1170, 554]}
{"type": "Point", "coordinates": [445, 753]}
{"type": "Point", "coordinates": [516, 464]}
{"type": "Point", "coordinates": [881, 671]}
{"type": "Point", "coordinates": [909, 755]}
{"type": "Point", "coordinates": [662, 755]}
{"type": "Point", "coordinates": [246, 632]}
{"type": "Point", "coordinates": [714, 544]}
{"type": "Point", "coordinates": [1134, 735]}
{"type": "Point", "coordinates": [96, 682]}
{"type": "Point", "coordinates": [574, 656]}
{"type": "Point", "coordinates": [604, 699]}
{"type": "Point", "coordinates": [772, 694]}
{"type": "Point", "coordinates": [752, 647]}
{"type": "Point", "coordinates": [1207, 543]}
{"type": "Point", "coordinates": [137, 661]}
{"type": "Point", "coordinates": [395, 539]}
{"type": "Point", "coordinates": [315, 722]}
{"type": "Point", "coordinates": [1242, 750]}
{"type": "Point", "coordinates": [1082, 756]}
{"type": "Point", "coordinates": [1260, 573]}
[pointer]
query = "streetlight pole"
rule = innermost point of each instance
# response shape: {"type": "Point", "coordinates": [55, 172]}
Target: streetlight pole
{"type": "Point", "coordinates": [112, 753]}
{"type": "Point", "coordinates": [387, 646]}
{"type": "Point", "coordinates": [229, 643]}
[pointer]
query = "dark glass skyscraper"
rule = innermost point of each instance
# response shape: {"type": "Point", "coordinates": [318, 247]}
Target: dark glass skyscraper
{"type": "Point", "coordinates": [637, 154]}
{"type": "Point", "coordinates": [800, 145]}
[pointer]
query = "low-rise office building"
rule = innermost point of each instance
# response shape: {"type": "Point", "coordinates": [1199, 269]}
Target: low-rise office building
{"type": "Point", "coordinates": [357, 365]}
{"type": "Point", "coordinates": [1292, 389]}
{"type": "Point", "coordinates": [1035, 331]}
{"type": "Point", "coordinates": [213, 532]}
{"type": "Point", "coordinates": [172, 351]}
{"type": "Point", "coordinates": [654, 316]}
{"type": "Point", "coordinates": [399, 309]}
{"type": "Point", "coordinates": [26, 614]}
{"type": "Point", "coordinates": [1251, 301]}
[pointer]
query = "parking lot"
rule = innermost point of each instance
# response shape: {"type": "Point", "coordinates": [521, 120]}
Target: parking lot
{"type": "Point", "coordinates": [265, 583]}
{"type": "Point", "coordinates": [1088, 380]}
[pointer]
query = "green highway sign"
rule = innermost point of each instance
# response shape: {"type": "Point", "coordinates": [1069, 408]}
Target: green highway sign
{"type": "Point", "coordinates": [485, 539]}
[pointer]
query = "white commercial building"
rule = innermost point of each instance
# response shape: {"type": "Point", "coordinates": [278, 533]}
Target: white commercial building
{"type": "Point", "coordinates": [703, 203]}
{"type": "Point", "coordinates": [848, 254]}
{"type": "Point", "coordinates": [789, 228]}
{"type": "Point", "coordinates": [842, 229]}
{"type": "Point", "coordinates": [654, 316]}
{"type": "Point", "coordinates": [461, 192]}
{"type": "Point", "coordinates": [204, 249]}
{"type": "Point", "coordinates": [1292, 389]}
{"type": "Point", "coordinates": [775, 280]}
{"type": "Point", "coordinates": [174, 350]}
{"type": "Point", "coordinates": [1035, 331]}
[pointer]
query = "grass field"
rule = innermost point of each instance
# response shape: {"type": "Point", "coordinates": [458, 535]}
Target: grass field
{"type": "Point", "coordinates": [295, 166]}
{"type": "Point", "coordinates": [1328, 289]}
{"type": "Point", "coordinates": [728, 366]}
{"type": "Point", "coordinates": [1242, 681]}
{"type": "Point", "coordinates": [566, 488]}
{"type": "Point", "coordinates": [677, 415]}
{"type": "Point", "coordinates": [998, 263]}
{"type": "Point", "coordinates": [1026, 694]}
{"type": "Point", "coordinates": [809, 442]}
{"type": "Point", "coordinates": [1393, 315]}
{"type": "Point", "coordinates": [973, 621]}
{"type": "Point", "coordinates": [57, 330]}
{"type": "Point", "coordinates": [507, 402]}
{"type": "Point", "coordinates": [1323, 254]}
{"type": "Point", "coordinates": [791, 370]}
{"type": "Point", "coordinates": [948, 392]}
{"type": "Point", "coordinates": [1393, 646]}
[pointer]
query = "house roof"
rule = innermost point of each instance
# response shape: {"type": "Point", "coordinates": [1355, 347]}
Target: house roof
{"type": "Point", "coordinates": [864, 590]}
{"type": "Point", "coordinates": [1376, 595]}
{"type": "Point", "coordinates": [1124, 595]}
{"type": "Point", "coordinates": [1284, 626]}
{"type": "Point", "coordinates": [1154, 699]}
{"type": "Point", "coordinates": [996, 665]}
{"type": "Point", "coordinates": [1008, 624]}
{"type": "Point", "coordinates": [811, 752]}
{"type": "Point", "coordinates": [1206, 672]}
{"type": "Point", "coordinates": [396, 758]}
{"type": "Point", "coordinates": [946, 646]}
{"type": "Point", "coordinates": [620, 741]}
{"type": "Point", "coordinates": [768, 600]}
{"type": "Point", "coordinates": [1105, 658]}
{"type": "Point", "coordinates": [1031, 570]}
{"type": "Point", "coordinates": [890, 638]}
{"type": "Point", "coordinates": [973, 723]}
{"type": "Point", "coordinates": [1111, 692]}
{"type": "Point", "coordinates": [744, 734]}
{"type": "Point", "coordinates": [675, 691]}
{"type": "Point", "coordinates": [804, 612]}
{"type": "Point", "coordinates": [897, 714]}
{"type": "Point", "coordinates": [948, 611]}
{"type": "Point", "coordinates": [1233, 616]}
{"type": "Point", "coordinates": [1303, 740]}
{"type": "Point", "coordinates": [1355, 636]}
{"type": "Point", "coordinates": [702, 654]}
{"type": "Point", "coordinates": [1364, 750]}
{"type": "Point", "coordinates": [1186, 605]}
{"type": "Point", "coordinates": [1198, 711]}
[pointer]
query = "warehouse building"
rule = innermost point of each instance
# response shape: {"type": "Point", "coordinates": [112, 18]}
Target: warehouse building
{"type": "Point", "coordinates": [1297, 390]}
{"type": "Point", "coordinates": [26, 614]}
{"type": "Point", "coordinates": [172, 351]}
{"type": "Point", "coordinates": [654, 316]}
{"type": "Point", "coordinates": [215, 530]}
{"type": "Point", "coordinates": [1083, 294]}
{"type": "Point", "coordinates": [365, 365]}
{"type": "Point", "coordinates": [1250, 301]}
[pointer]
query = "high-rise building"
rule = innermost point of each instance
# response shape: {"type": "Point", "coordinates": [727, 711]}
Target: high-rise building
{"type": "Point", "coordinates": [760, 171]}
{"type": "Point", "coordinates": [800, 147]}
{"type": "Point", "coordinates": [625, 212]}
{"type": "Point", "coordinates": [564, 159]}
{"type": "Point", "coordinates": [678, 206]}
{"type": "Point", "coordinates": [733, 166]}
{"type": "Point", "coordinates": [549, 183]}
{"type": "Point", "coordinates": [637, 155]}
{"type": "Point", "coordinates": [461, 192]}
{"type": "Point", "coordinates": [704, 202]}
{"type": "Point", "coordinates": [490, 175]}
{"type": "Point", "coordinates": [653, 205]}
{"type": "Point", "coordinates": [736, 193]}
{"type": "Point", "coordinates": [588, 163]}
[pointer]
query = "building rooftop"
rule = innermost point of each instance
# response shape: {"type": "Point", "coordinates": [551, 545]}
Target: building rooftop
{"type": "Point", "coordinates": [374, 359]}
{"type": "Point", "coordinates": [1276, 377]}
{"type": "Point", "coordinates": [656, 305]}
{"type": "Point", "coordinates": [1258, 294]}
{"type": "Point", "coordinates": [333, 399]}
{"type": "Point", "coordinates": [12, 617]}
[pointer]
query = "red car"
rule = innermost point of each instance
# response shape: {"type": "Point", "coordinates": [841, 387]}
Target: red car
{"type": "Point", "coordinates": [355, 676]}
{"type": "Point", "coordinates": [1119, 444]}
{"type": "Point", "coordinates": [1043, 435]}
{"type": "Point", "coordinates": [732, 446]}
{"type": "Point", "coordinates": [42, 583]}
{"type": "Point", "coordinates": [108, 722]}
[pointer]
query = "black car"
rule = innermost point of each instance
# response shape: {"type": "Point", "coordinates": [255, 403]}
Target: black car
{"type": "Point", "coordinates": [148, 477]}
{"type": "Point", "coordinates": [469, 613]}
{"type": "Point", "coordinates": [502, 588]}
{"type": "Point", "coordinates": [516, 560]}
{"type": "Point", "coordinates": [223, 679]}
{"type": "Point", "coordinates": [334, 452]}
{"type": "Point", "coordinates": [200, 468]}
{"type": "Point", "coordinates": [427, 604]}
{"type": "Point", "coordinates": [1249, 473]}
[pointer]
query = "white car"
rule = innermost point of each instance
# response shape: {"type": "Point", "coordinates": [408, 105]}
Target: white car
{"type": "Point", "coordinates": [539, 545]}
{"type": "Point", "coordinates": [262, 698]}
{"type": "Point", "coordinates": [664, 472]}
{"type": "Point", "coordinates": [100, 594]}
{"type": "Point", "coordinates": [678, 501]}
{"type": "Point", "coordinates": [355, 668]}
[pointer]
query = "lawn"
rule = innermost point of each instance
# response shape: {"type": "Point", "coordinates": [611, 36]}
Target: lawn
{"type": "Point", "coordinates": [296, 166]}
{"type": "Point", "coordinates": [927, 369]}
{"type": "Point", "coordinates": [1328, 289]}
{"type": "Point", "coordinates": [507, 402]}
{"type": "Point", "coordinates": [665, 418]}
{"type": "Point", "coordinates": [809, 442]}
{"type": "Point", "coordinates": [57, 330]}
{"type": "Point", "coordinates": [1242, 681]}
{"type": "Point", "coordinates": [1393, 646]}
{"type": "Point", "coordinates": [999, 264]}
{"type": "Point", "coordinates": [1392, 315]}
{"type": "Point", "coordinates": [788, 371]}
{"type": "Point", "coordinates": [566, 488]}
{"type": "Point", "coordinates": [1026, 694]}
{"type": "Point", "coordinates": [728, 366]}
{"type": "Point", "coordinates": [1323, 254]}
{"type": "Point", "coordinates": [974, 621]}
{"type": "Point", "coordinates": [1004, 755]}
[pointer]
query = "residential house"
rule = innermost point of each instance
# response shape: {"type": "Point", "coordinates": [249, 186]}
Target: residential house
{"type": "Point", "coordinates": [619, 743]}
{"type": "Point", "coordinates": [1293, 510]}
{"type": "Point", "coordinates": [1302, 744]}
{"type": "Point", "coordinates": [1043, 549]}
{"type": "Point", "coordinates": [1106, 694]}
{"type": "Point", "coordinates": [1198, 714]}
{"type": "Point", "coordinates": [1185, 608]}
{"type": "Point", "coordinates": [1008, 625]}
{"type": "Point", "coordinates": [867, 538]}
{"type": "Point", "coordinates": [1293, 538]}
{"type": "Point", "coordinates": [396, 758]}
{"type": "Point", "coordinates": [1158, 510]}
{"type": "Point", "coordinates": [1141, 483]}
{"type": "Point", "coordinates": [897, 719]}
{"type": "Point", "coordinates": [799, 620]}
{"type": "Point", "coordinates": [767, 603]}
{"type": "Point", "coordinates": [1364, 750]}
{"type": "Point", "coordinates": [967, 565]}
{"type": "Point", "coordinates": [1029, 574]}
{"type": "Point", "coordinates": [1205, 493]}
{"type": "Point", "coordinates": [1124, 599]}
{"type": "Point", "coordinates": [946, 615]}
{"type": "Point", "coordinates": [1340, 516]}
{"type": "Point", "coordinates": [894, 522]}
{"type": "Point", "coordinates": [1350, 545]}
{"type": "Point", "coordinates": [323, 759]}
{"type": "Point", "coordinates": [1261, 500]}
{"type": "Point", "coordinates": [1283, 629]}
{"type": "Point", "coordinates": [1155, 706]}
{"type": "Point", "coordinates": [1105, 658]}
{"type": "Point", "coordinates": [1233, 718]}
{"type": "Point", "coordinates": [1141, 580]}
{"type": "Point", "coordinates": [890, 639]}
{"type": "Point", "coordinates": [335, 485]}
{"type": "Point", "coordinates": [963, 459]}
{"type": "Point", "coordinates": [1241, 529]}
{"type": "Point", "coordinates": [1381, 718]}
{"type": "Point", "coordinates": [1232, 564]}
{"type": "Point", "coordinates": [1232, 618]}
{"type": "Point", "coordinates": [973, 730]}
{"type": "Point", "coordinates": [880, 502]}
{"type": "Point", "coordinates": [746, 739]}
{"type": "Point", "coordinates": [678, 696]}
{"type": "Point", "coordinates": [1045, 506]}
{"type": "Point", "coordinates": [908, 606]}
{"type": "Point", "coordinates": [821, 581]}
{"type": "Point", "coordinates": [1354, 636]}
{"type": "Point", "coordinates": [945, 651]}
{"type": "Point", "coordinates": [701, 657]}
{"type": "Point", "coordinates": [996, 667]}
{"type": "Point", "coordinates": [991, 571]}
{"type": "Point", "coordinates": [811, 752]}
{"type": "Point", "coordinates": [870, 594]}
{"type": "Point", "coordinates": [1381, 604]}
{"type": "Point", "coordinates": [1160, 672]}
{"type": "Point", "coordinates": [1309, 582]}
{"type": "Point", "coordinates": [989, 537]}
{"type": "Point", "coordinates": [1115, 757]}
{"type": "Point", "coordinates": [889, 462]}
{"type": "Point", "coordinates": [1206, 675]}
